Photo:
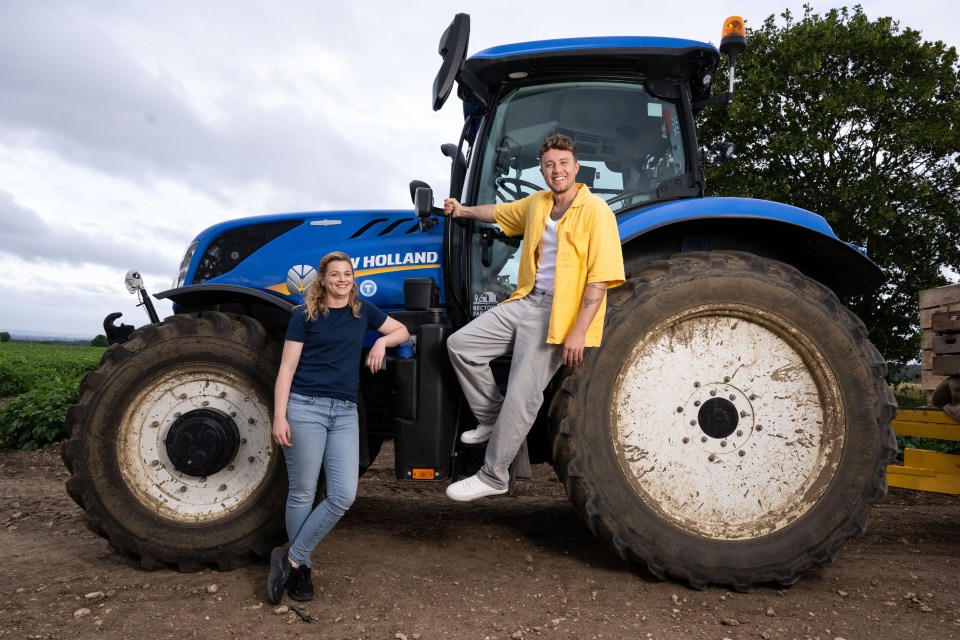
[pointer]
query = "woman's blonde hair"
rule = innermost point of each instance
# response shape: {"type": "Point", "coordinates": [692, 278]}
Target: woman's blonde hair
{"type": "Point", "coordinates": [316, 298]}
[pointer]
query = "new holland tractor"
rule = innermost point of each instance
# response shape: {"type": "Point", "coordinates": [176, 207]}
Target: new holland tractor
{"type": "Point", "coordinates": [733, 428]}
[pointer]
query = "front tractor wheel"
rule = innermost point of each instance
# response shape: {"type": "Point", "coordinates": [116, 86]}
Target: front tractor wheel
{"type": "Point", "coordinates": [170, 447]}
{"type": "Point", "coordinates": [733, 428]}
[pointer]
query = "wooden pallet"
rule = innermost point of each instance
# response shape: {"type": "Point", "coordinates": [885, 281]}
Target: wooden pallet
{"type": "Point", "coordinates": [939, 336]}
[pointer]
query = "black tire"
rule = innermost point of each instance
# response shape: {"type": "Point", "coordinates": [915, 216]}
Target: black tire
{"type": "Point", "coordinates": [206, 378]}
{"type": "Point", "coordinates": [734, 427]}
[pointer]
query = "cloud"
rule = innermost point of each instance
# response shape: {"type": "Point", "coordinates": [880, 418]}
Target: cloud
{"type": "Point", "coordinates": [27, 236]}
{"type": "Point", "coordinates": [89, 100]}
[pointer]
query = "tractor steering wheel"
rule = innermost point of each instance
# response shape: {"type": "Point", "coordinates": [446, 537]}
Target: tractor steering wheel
{"type": "Point", "coordinates": [516, 192]}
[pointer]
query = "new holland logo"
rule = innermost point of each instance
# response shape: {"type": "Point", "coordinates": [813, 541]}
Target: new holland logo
{"type": "Point", "coordinates": [299, 278]}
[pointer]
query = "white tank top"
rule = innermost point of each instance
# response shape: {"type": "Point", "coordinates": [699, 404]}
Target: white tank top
{"type": "Point", "coordinates": [547, 257]}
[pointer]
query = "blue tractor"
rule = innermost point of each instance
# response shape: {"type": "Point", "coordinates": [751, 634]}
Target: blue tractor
{"type": "Point", "coordinates": [733, 428]}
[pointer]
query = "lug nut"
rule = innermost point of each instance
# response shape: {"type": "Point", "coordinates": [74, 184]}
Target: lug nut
{"type": "Point", "coordinates": [713, 392]}
{"type": "Point", "coordinates": [696, 403]}
{"type": "Point", "coordinates": [686, 440]}
{"type": "Point", "coordinates": [743, 414]}
{"type": "Point", "coordinates": [711, 457]}
{"type": "Point", "coordinates": [155, 424]}
{"type": "Point", "coordinates": [693, 423]}
{"type": "Point", "coordinates": [759, 428]}
{"type": "Point", "coordinates": [726, 378]}
{"type": "Point", "coordinates": [182, 489]}
{"type": "Point", "coordinates": [205, 403]}
{"type": "Point", "coordinates": [703, 439]}
{"type": "Point", "coordinates": [696, 384]}
{"type": "Point", "coordinates": [679, 409]}
{"type": "Point", "coordinates": [739, 432]}
{"type": "Point", "coordinates": [183, 396]}
{"type": "Point", "coordinates": [723, 443]}
{"type": "Point", "coordinates": [223, 394]}
{"type": "Point", "coordinates": [733, 397]}
{"type": "Point", "coordinates": [741, 453]}
{"type": "Point", "coordinates": [222, 487]}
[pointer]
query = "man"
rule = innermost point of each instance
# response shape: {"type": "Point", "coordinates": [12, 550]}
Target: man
{"type": "Point", "coordinates": [569, 257]}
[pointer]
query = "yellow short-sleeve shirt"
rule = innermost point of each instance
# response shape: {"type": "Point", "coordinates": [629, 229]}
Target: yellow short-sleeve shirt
{"type": "Point", "coordinates": [588, 250]}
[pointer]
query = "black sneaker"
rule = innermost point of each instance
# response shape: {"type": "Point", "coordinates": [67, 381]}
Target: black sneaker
{"type": "Point", "coordinates": [280, 570]}
{"type": "Point", "coordinates": [301, 586]}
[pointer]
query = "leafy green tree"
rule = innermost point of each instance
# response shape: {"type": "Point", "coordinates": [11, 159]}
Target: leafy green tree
{"type": "Point", "coordinates": [99, 341]}
{"type": "Point", "coordinates": [4, 336]}
{"type": "Point", "coordinates": [858, 121]}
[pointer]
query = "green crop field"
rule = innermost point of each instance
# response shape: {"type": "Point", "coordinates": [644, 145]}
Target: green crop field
{"type": "Point", "coordinates": [40, 381]}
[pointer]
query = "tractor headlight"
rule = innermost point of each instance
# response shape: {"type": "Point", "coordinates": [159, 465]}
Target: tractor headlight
{"type": "Point", "coordinates": [185, 264]}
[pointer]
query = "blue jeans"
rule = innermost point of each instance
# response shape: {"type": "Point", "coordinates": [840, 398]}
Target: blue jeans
{"type": "Point", "coordinates": [324, 432]}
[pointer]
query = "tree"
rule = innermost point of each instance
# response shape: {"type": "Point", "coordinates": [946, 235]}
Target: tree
{"type": "Point", "coordinates": [4, 336]}
{"type": "Point", "coordinates": [99, 341]}
{"type": "Point", "coordinates": [858, 121]}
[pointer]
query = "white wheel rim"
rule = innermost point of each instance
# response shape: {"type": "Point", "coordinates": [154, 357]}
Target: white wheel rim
{"type": "Point", "coordinates": [768, 471]}
{"type": "Point", "coordinates": [152, 477]}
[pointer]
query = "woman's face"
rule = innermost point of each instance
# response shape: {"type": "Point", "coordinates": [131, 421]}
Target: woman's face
{"type": "Point", "coordinates": [338, 279]}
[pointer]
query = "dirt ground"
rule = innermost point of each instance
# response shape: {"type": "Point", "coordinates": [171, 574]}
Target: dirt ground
{"type": "Point", "coordinates": [407, 563]}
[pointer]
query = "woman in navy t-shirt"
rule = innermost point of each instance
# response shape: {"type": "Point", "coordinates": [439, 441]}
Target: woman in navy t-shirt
{"type": "Point", "coordinates": [315, 412]}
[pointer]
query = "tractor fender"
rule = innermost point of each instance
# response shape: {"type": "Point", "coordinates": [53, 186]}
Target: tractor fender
{"type": "Point", "coordinates": [774, 230]}
{"type": "Point", "coordinates": [269, 309]}
{"type": "Point", "coordinates": [207, 296]}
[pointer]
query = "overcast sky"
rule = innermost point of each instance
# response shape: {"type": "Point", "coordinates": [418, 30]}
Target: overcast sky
{"type": "Point", "coordinates": [128, 126]}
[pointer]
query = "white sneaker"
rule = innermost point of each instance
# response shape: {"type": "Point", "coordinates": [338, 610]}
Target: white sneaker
{"type": "Point", "coordinates": [471, 489]}
{"type": "Point", "coordinates": [477, 436]}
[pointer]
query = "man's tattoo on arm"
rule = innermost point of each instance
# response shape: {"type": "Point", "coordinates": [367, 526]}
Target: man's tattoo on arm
{"type": "Point", "coordinates": [587, 300]}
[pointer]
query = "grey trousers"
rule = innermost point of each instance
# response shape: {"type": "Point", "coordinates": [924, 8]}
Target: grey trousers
{"type": "Point", "coordinates": [519, 326]}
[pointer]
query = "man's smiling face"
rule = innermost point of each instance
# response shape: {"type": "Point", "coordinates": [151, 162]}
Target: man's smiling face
{"type": "Point", "coordinates": [559, 170]}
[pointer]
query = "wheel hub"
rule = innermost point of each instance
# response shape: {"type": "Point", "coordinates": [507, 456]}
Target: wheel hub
{"type": "Point", "coordinates": [718, 417]}
{"type": "Point", "coordinates": [202, 442]}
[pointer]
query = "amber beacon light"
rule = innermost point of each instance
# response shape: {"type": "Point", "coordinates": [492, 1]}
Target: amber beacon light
{"type": "Point", "coordinates": [732, 41]}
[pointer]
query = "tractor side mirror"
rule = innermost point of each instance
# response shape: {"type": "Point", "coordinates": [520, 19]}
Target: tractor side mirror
{"type": "Point", "coordinates": [423, 202]}
{"type": "Point", "coordinates": [423, 205]}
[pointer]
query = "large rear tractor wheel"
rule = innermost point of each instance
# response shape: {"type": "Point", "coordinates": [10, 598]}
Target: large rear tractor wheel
{"type": "Point", "coordinates": [733, 428]}
{"type": "Point", "coordinates": [170, 448]}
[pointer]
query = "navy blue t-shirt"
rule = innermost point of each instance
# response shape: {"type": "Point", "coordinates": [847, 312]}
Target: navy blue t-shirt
{"type": "Point", "coordinates": [329, 365]}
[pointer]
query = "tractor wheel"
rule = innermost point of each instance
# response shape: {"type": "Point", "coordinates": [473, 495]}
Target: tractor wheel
{"type": "Point", "coordinates": [733, 428]}
{"type": "Point", "coordinates": [170, 448]}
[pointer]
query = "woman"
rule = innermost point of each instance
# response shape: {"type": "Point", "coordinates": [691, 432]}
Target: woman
{"type": "Point", "coordinates": [315, 413]}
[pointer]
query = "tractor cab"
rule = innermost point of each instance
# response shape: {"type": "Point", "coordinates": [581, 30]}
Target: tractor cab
{"type": "Point", "coordinates": [627, 103]}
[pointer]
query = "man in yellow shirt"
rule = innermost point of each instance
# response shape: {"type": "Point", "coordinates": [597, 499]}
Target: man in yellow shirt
{"type": "Point", "coordinates": [570, 256]}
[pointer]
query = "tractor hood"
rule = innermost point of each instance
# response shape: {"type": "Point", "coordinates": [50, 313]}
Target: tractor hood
{"type": "Point", "coordinates": [278, 254]}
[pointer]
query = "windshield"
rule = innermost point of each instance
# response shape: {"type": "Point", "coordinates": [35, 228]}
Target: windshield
{"type": "Point", "coordinates": [628, 141]}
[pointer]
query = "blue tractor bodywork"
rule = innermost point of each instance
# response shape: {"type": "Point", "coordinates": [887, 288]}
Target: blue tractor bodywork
{"type": "Point", "coordinates": [272, 258]}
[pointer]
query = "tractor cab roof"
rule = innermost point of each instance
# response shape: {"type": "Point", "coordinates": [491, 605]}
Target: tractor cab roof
{"type": "Point", "coordinates": [625, 57]}
{"type": "Point", "coordinates": [628, 55]}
